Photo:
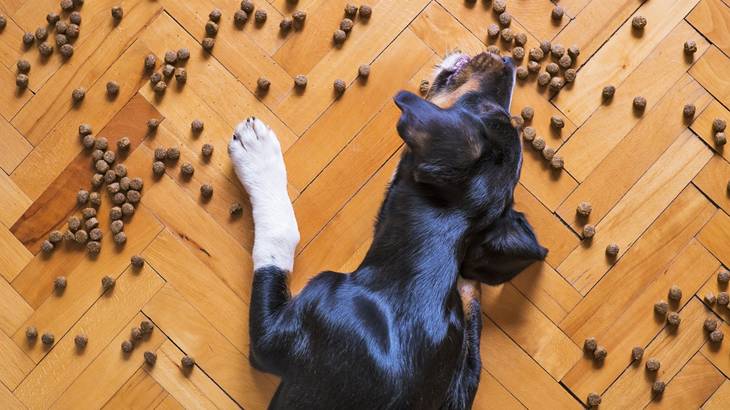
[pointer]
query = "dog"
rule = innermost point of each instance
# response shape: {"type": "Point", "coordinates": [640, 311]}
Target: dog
{"type": "Point", "coordinates": [401, 331]}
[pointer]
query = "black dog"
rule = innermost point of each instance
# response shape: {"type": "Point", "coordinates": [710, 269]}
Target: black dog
{"type": "Point", "coordinates": [394, 334]}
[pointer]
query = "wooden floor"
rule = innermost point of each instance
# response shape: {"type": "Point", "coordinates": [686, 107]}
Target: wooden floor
{"type": "Point", "coordinates": [657, 184]}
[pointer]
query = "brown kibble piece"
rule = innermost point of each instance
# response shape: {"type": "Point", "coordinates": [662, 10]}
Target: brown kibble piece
{"type": "Point", "coordinates": [690, 47]}
{"type": "Point", "coordinates": [673, 319]}
{"type": "Point", "coordinates": [538, 143]}
{"type": "Point", "coordinates": [187, 169]}
{"type": "Point", "coordinates": [66, 50]}
{"type": "Point", "coordinates": [28, 39]}
{"type": "Point", "coordinates": [639, 103]}
{"type": "Point", "coordinates": [146, 326]}
{"type": "Point", "coordinates": [720, 139]}
{"type": "Point", "coordinates": [137, 261]}
{"type": "Point", "coordinates": [637, 353]}
{"type": "Point", "coordinates": [45, 49]}
{"type": "Point", "coordinates": [23, 66]}
{"type": "Point", "coordinates": [506, 35]}
{"type": "Point", "coordinates": [150, 358]}
{"type": "Point", "coordinates": [350, 10]}
{"type": "Point", "coordinates": [107, 282]}
{"type": "Point", "coordinates": [211, 28]}
{"type": "Point", "coordinates": [521, 73]}
{"type": "Point", "coordinates": [710, 324]}
{"type": "Point", "coordinates": [675, 293]}
{"type": "Point", "coordinates": [81, 236]}
{"type": "Point", "coordinates": [565, 61]}
{"type": "Point", "coordinates": [661, 307]}
{"type": "Point", "coordinates": [52, 18]}
{"type": "Point", "coordinates": [716, 336]}
{"type": "Point", "coordinates": [505, 19]}
{"type": "Point", "coordinates": [286, 25]}
{"type": "Point", "coordinates": [339, 36]}
{"type": "Point", "coordinates": [117, 12]}
{"type": "Point", "coordinates": [21, 81]}
{"type": "Point", "coordinates": [183, 54]}
{"type": "Point", "coordinates": [247, 6]}
{"type": "Point", "coordinates": [299, 18]}
{"type": "Point", "coordinates": [206, 191]}
{"type": "Point", "coordinates": [710, 298]}
{"type": "Point", "coordinates": [346, 25]}
{"type": "Point", "coordinates": [584, 208]}
{"type": "Point", "coordinates": [135, 334]}
{"type": "Point", "coordinates": [557, 13]}
{"type": "Point", "coordinates": [594, 400]}
{"type": "Point", "coordinates": [120, 238]}
{"type": "Point", "coordinates": [48, 338]}
{"type": "Point", "coordinates": [95, 234]}
{"type": "Point", "coordinates": [543, 79]}
{"type": "Point", "coordinates": [499, 6]}
{"type": "Point", "coordinates": [75, 18]}
{"type": "Point", "coordinates": [723, 277]}
{"type": "Point", "coordinates": [536, 54]}
{"type": "Point", "coordinates": [41, 34]}
{"type": "Point", "coordinates": [570, 75]}
{"type": "Point", "coordinates": [173, 153]}
{"type": "Point", "coordinates": [78, 94]}
{"type": "Point", "coordinates": [653, 364]}
{"type": "Point", "coordinates": [518, 53]}
{"type": "Point", "coordinates": [88, 213]}
{"type": "Point", "coordinates": [207, 150]}
{"type": "Point", "coordinates": [493, 30]}
{"type": "Point", "coordinates": [723, 298]}
{"type": "Point", "coordinates": [215, 15]}
{"type": "Point", "coordinates": [552, 69]}
{"type": "Point", "coordinates": [168, 70]}
{"type": "Point", "coordinates": [116, 226]}
{"type": "Point", "coordinates": [260, 16]}
{"type": "Point", "coordinates": [82, 197]}
{"type": "Point", "coordinates": [590, 345]}
{"type": "Point", "coordinates": [340, 87]}
{"type": "Point", "coordinates": [365, 11]}
{"type": "Point", "coordinates": [74, 223]}
{"type": "Point", "coordinates": [187, 362]}
{"type": "Point", "coordinates": [658, 387]}
{"type": "Point", "coordinates": [527, 113]}
{"type": "Point", "coordinates": [363, 71]}
{"type": "Point", "coordinates": [127, 346]}
{"type": "Point", "coordinates": [548, 153]}
{"type": "Point", "coordinates": [158, 168]}
{"type": "Point", "coordinates": [160, 153]}
{"type": "Point", "coordinates": [181, 75]}
{"type": "Point", "coordinates": [115, 213]}
{"type": "Point", "coordinates": [689, 111]}
{"type": "Point", "coordinates": [263, 85]}
{"type": "Point", "coordinates": [300, 81]}
{"type": "Point", "coordinates": [81, 341]}
{"type": "Point", "coordinates": [557, 122]}
{"type": "Point", "coordinates": [133, 196]}
{"type": "Point", "coordinates": [534, 67]}
{"type": "Point", "coordinates": [638, 22]}
{"type": "Point", "coordinates": [235, 209]}
{"type": "Point", "coordinates": [600, 353]}
{"type": "Point", "coordinates": [718, 125]}
{"type": "Point", "coordinates": [59, 284]}
{"type": "Point", "coordinates": [72, 31]}
{"type": "Point", "coordinates": [608, 92]}
{"type": "Point", "coordinates": [208, 43]}
{"type": "Point", "coordinates": [89, 141]}
{"type": "Point", "coordinates": [31, 333]}
{"type": "Point", "coordinates": [529, 133]}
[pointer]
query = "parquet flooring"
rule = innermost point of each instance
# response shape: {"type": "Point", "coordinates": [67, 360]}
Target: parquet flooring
{"type": "Point", "coordinates": [657, 182]}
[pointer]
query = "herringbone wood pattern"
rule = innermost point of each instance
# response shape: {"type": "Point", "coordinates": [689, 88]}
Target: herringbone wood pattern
{"type": "Point", "coordinates": [657, 183]}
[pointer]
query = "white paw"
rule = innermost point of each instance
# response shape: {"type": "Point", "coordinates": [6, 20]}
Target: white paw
{"type": "Point", "coordinates": [259, 164]}
{"type": "Point", "coordinates": [256, 156]}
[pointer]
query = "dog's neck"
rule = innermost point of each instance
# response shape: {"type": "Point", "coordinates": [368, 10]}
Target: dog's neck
{"type": "Point", "coordinates": [416, 249]}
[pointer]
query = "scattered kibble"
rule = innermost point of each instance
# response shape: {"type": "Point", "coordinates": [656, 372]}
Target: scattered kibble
{"type": "Point", "coordinates": [146, 326]}
{"type": "Point", "coordinates": [187, 362]}
{"type": "Point", "coordinates": [723, 298]}
{"type": "Point", "coordinates": [600, 353]}
{"type": "Point", "coordinates": [78, 94]}
{"type": "Point", "coordinates": [260, 16]}
{"type": "Point", "coordinates": [638, 22]}
{"type": "Point", "coordinates": [557, 50]}
{"type": "Point", "coordinates": [75, 18]}
{"type": "Point", "coordinates": [594, 400]}
{"type": "Point", "coordinates": [263, 85]}
{"type": "Point", "coordinates": [23, 66]}
{"type": "Point", "coordinates": [716, 336]}
{"type": "Point", "coordinates": [215, 15]}
{"type": "Point", "coordinates": [107, 282]}
{"type": "Point", "coordinates": [506, 35]}
{"type": "Point", "coordinates": [527, 113]}
{"type": "Point", "coordinates": [207, 150]}
{"type": "Point", "coordinates": [520, 39]}
{"type": "Point", "coordinates": [173, 154]}
{"type": "Point", "coordinates": [95, 234]}
{"type": "Point", "coordinates": [552, 69]}
{"type": "Point", "coordinates": [59, 284]}
{"type": "Point", "coordinates": [183, 54]}
{"type": "Point", "coordinates": [72, 31]}
{"type": "Point", "coordinates": [548, 153]}
{"type": "Point", "coordinates": [89, 213]}
{"type": "Point", "coordinates": [723, 277]}
{"type": "Point", "coordinates": [639, 103]}
{"type": "Point", "coordinates": [137, 261]}
{"type": "Point", "coordinates": [557, 13]}
{"type": "Point", "coordinates": [300, 81]}
{"type": "Point", "coordinates": [533, 67]}
{"type": "Point", "coordinates": [235, 209]}
{"type": "Point", "coordinates": [350, 10]}
{"type": "Point", "coordinates": [81, 341]}
{"type": "Point", "coordinates": [160, 153]}
{"type": "Point", "coordinates": [690, 47]}
{"type": "Point", "coordinates": [658, 387]}
{"type": "Point", "coordinates": [529, 133]}
{"type": "Point", "coordinates": [365, 11]}
{"type": "Point", "coordinates": [661, 307]}
{"type": "Point", "coordinates": [247, 6]}
{"type": "Point", "coordinates": [590, 344]}
{"type": "Point", "coordinates": [117, 12]}
{"type": "Point", "coordinates": [31, 333]}
{"type": "Point", "coordinates": [208, 43]}
{"type": "Point", "coordinates": [206, 191]}
{"type": "Point", "coordinates": [158, 168]}
{"type": "Point", "coordinates": [339, 36]}
{"type": "Point", "coordinates": [720, 139]}
{"type": "Point", "coordinates": [48, 338]}
{"type": "Point", "coordinates": [675, 293]}
{"type": "Point", "coordinates": [21, 81]}
{"type": "Point", "coordinates": [538, 143]}
{"type": "Point", "coordinates": [211, 28]}
{"type": "Point", "coordinates": [299, 18]}
{"type": "Point", "coordinates": [41, 34]}
{"type": "Point", "coordinates": [637, 353]}
{"type": "Point", "coordinates": [93, 247]}
{"type": "Point", "coordinates": [608, 92]}
{"type": "Point", "coordinates": [505, 19]}
{"type": "Point", "coordinates": [718, 125]}
{"type": "Point", "coordinates": [543, 79]}
{"type": "Point", "coordinates": [518, 53]}
{"type": "Point", "coordinates": [168, 70]}
{"type": "Point", "coordinates": [116, 226]}
{"type": "Point", "coordinates": [81, 236]}
{"type": "Point", "coordinates": [689, 111]}
{"type": "Point", "coordinates": [499, 6]}
{"type": "Point", "coordinates": [653, 364]}
{"type": "Point", "coordinates": [673, 319]}
{"type": "Point", "coordinates": [340, 87]}
{"type": "Point", "coordinates": [150, 358]}
{"type": "Point", "coordinates": [346, 25]}
{"type": "Point", "coordinates": [187, 169]}
{"type": "Point", "coordinates": [181, 75]}
{"type": "Point", "coordinates": [286, 25]}
{"type": "Point", "coordinates": [584, 209]}
{"type": "Point", "coordinates": [127, 346]}
{"type": "Point", "coordinates": [89, 141]}
{"type": "Point", "coordinates": [522, 73]}
{"type": "Point", "coordinates": [135, 334]}
{"type": "Point", "coordinates": [710, 324]}
{"type": "Point", "coordinates": [710, 298]}
{"type": "Point", "coordinates": [556, 84]}
{"type": "Point", "coordinates": [557, 122]}
{"type": "Point", "coordinates": [493, 30]}
{"type": "Point", "coordinates": [120, 238]}
{"type": "Point", "coordinates": [565, 61]}
{"type": "Point", "coordinates": [28, 39]}
{"type": "Point", "coordinates": [363, 71]}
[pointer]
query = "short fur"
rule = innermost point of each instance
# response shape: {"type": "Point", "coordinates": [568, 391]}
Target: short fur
{"type": "Point", "coordinates": [395, 333]}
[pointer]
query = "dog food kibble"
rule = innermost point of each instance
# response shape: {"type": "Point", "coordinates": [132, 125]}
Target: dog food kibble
{"type": "Point", "coordinates": [118, 198]}
{"type": "Point", "coordinates": [197, 126]}
{"type": "Point", "coordinates": [600, 353]}
{"type": "Point", "coordinates": [557, 122]}
{"type": "Point", "coordinates": [72, 31]}
{"type": "Point", "coordinates": [235, 209]}
{"type": "Point", "coordinates": [263, 85]}
{"type": "Point", "coordinates": [21, 81]}
{"type": "Point", "coordinates": [499, 6]}
{"type": "Point", "coordinates": [675, 293]}
{"type": "Point", "coordinates": [536, 54]}
{"type": "Point", "coordinates": [527, 113]}
{"type": "Point", "coordinates": [673, 319]}
{"type": "Point", "coordinates": [689, 111]}
{"type": "Point", "coordinates": [41, 34]}
{"type": "Point", "coordinates": [110, 176]}
{"type": "Point", "coordinates": [494, 50]}
{"type": "Point", "coordinates": [46, 246]}
{"type": "Point", "coordinates": [158, 168]}
{"type": "Point", "coordinates": [74, 223]}
{"type": "Point", "coordinates": [23, 66]}
{"type": "Point", "coordinates": [612, 250]}
{"type": "Point", "coordinates": [127, 346]}
{"type": "Point", "coordinates": [565, 61]}
{"type": "Point", "coordinates": [518, 53]}
{"type": "Point", "coordinates": [637, 353]}
{"type": "Point", "coordinates": [28, 39]}
{"type": "Point", "coordinates": [109, 157]}
{"type": "Point", "coordinates": [710, 298]}
{"type": "Point", "coordinates": [81, 236]}
{"type": "Point", "coordinates": [350, 10]}
{"type": "Point", "coordinates": [215, 15]}
{"type": "Point", "coordinates": [608, 92]}
{"type": "Point", "coordinates": [146, 326]}
{"type": "Point", "coordinates": [723, 277]}
{"type": "Point", "coordinates": [170, 57]}
{"type": "Point", "coordinates": [183, 54]}
{"type": "Point", "coordinates": [658, 387]}
{"type": "Point", "coordinates": [117, 12]}
{"type": "Point", "coordinates": [718, 125]}
{"type": "Point", "coordinates": [133, 197]}
{"type": "Point", "coordinates": [187, 169]}
{"type": "Point", "coordinates": [339, 36]}
{"type": "Point", "coordinates": [661, 307]}
{"type": "Point", "coordinates": [168, 70]}
{"type": "Point", "coordinates": [520, 39]}
{"type": "Point", "coordinates": [137, 261]}
{"type": "Point", "coordinates": [300, 81]}
{"type": "Point", "coordinates": [365, 11]}
{"type": "Point", "coordinates": [247, 6]}
{"type": "Point", "coordinates": [78, 94]}
{"type": "Point", "coordinates": [48, 338]}
{"type": "Point", "coordinates": [95, 234]}
{"type": "Point", "coordinates": [150, 358]}
{"type": "Point", "coordinates": [638, 22]}
{"type": "Point", "coordinates": [570, 75]}
{"type": "Point", "coordinates": [548, 153]}
{"type": "Point", "coordinates": [723, 298]}
{"type": "Point", "coordinates": [690, 47]}
{"type": "Point", "coordinates": [123, 144]}
{"type": "Point", "coordinates": [75, 18]}
{"type": "Point", "coordinates": [506, 35]}
{"type": "Point", "coordinates": [101, 166]}
{"type": "Point", "coordinates": [493, 30]}
{"type": "Point", "coordinates": [517, 121]}
{"type": "Point", "coordinates": [181, 75]}
{"type": "Point", "coordinates": [346, 25]}
{"type": "Point", "coordinates": [52, 18]}
{"type": "Point", "coordinates": [208, 43]}
{"type": "Point", "coordinates": [590, 345]}
{"type": "Point", "coordinates": [522, 73]}
{"type": "Point", "coordinates": [538, 143]}
{"type": "Point", "coordinates": [423, 88]}
{"type": "Point", "coordinates": [135, 334]}
{"type": "Point", "coordinates": [91, 223]}
{"type": "Point", "coordinates": [206, 150]}
{"type": "Point", "coordinates": [55, 236]}
{"type": "Point", "coordinates": [710, 324]}
{"type": "Point", "coordinates": [716, 336]}
{"type": "Point", "coordinates": [211, 28]}
{"type": "Point", "coordinates": [552, 69]}
{"type": "Point", "coordinates": [102, 143]}
{"type": "Point", "coordinates": [206, 191]}
{"type": "Point", "coordinates": [124, 183]}
{"type": "Point", "coordinates": [286, 25]}
{"type": "Point", "coordinates": [584, 209]}
{"type": "Point", "coordinates": [543, 79]}
{"type": "Point", "coordinates": [594, 400]}
{"type": "Point", "coordinates": [187, 362]}
{"type": "Point", "coordinates": [81, 341]}
{"type": "Point", "coordinates": [653, 364]}
{"type": "Point", "coordinates": [260, 16]}
{"type": "Point", "coordinates": [529, 133]}
{"type": "Point", "coordinates": [160, 154]}
{"type": "Point", "coordinates": [89, 141]}
{"type": "Point", "coordinates": [31, 333]}
{"type": "Point", "coordinates": [115, 213]}
{"type": "Point", "coordinates": [59, 284]}
{"type": "Point", "coordinates": [116, 226]}
{"type": "Point", "coordinates": [720, 139]}
{"type": "Point", "coordinates": [88, 213]}
{"type": "Point", "coordinates": [67, 50]}
{"type": "Point", "coordinates": [95, 199]}
{"type": "Point", "coordinates": [82, 197]}
{"type": "Point", "coordinates": [505, 19]}
{"type": "Point", "coordinates": [557, 13]}
{"type": "Point", "coordinates": [557, 162]}
{"type": "Point", "coordinates": [107, 282]}
{"type": "Point", "coordinates": [45, 49]}
{"type": "Point", "coordinates": [639, 103]}
{"type": "Point", "coordinates": [363, 71]}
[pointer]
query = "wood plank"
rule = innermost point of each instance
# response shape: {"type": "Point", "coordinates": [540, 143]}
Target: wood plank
{"type": "Point", "coordinates": [715, 236]}
{"type": "Point", "coordinates": [225, 310]}
{"type": "Point", "coordinates": [651, 256]}
{"type": "Point", "coordinates": [344, 119]}
{"type": "Point", "coordinates": [691, 387]}
{"type": "Point", "coordinates": [549, 291]}
{"type": "Point", "coordinates": [512, 367]}
{"type": "Point", "coordinates": [712, 285]}
{"type": "Point", "coordinates": [93, 55]}
{"type": "Point", "coordinates": [492, 395]}
{"type": "Point", "coordinates": [13, 146]}
{"type": "Point", "coordinates": [9, 400]}
{"type": "Point", "coordinates": [212, 352]}
{"type": "Point", "coordinates": [101, 323]}
{"type": "Point", "coordinates": [632, 156]}
{"type": "Point", "coordinates": [110, 371]}
{"type": "Point", "coordinates": [194, 388]}
{"type": "Point", "coordinates": [366, 46]}
{"type": "Point", "coordinates": [530, 329]}
{"type": "Point", "coordinates": [713, 181]}
{"type": "Point", "coordinates": [710, 71]}
{"type": "Point", "coordinates": [14, 256]}
{"type": "Point", "coordinates": [702, 126]}
{"type": "Point", "coordinates": [58, 312]}
{"type": "Point", "coordinates": [140, 390]}
{"type": "Point", "coordinates": [672, 348]}
{"type": "Point", "coordinates": [16, 365]}
{"type": "Point", "coordinates": [720, 398]}
{"type": "Point", "coordinates": [615, 122]}
{"type": "Point", "coordinates": [13, 201]}
{"type": "Point", "coordinates": [627, 320]}
{"type": "Point", "coordinates": [712, 19]}
{"type": "Point", "coordinates": [13, 308]}
{"type": "Point", "coordinates": [651, 194]}
{"type": "Point", "coordinates": [620, 56]}
{"type": "Point", "coordinates": [169, 403]}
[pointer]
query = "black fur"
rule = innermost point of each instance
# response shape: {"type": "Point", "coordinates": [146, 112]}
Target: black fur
{"type": "Point", "coordinates": [393, 334]}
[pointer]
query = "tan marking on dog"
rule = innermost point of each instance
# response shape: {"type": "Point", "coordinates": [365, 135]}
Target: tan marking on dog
{"type": "Point", "coordinates": [448, 99]}
{"type": "Point", "coordinates": [468, 290]}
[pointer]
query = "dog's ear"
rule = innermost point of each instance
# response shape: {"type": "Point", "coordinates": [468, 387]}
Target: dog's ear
{"type": "Point", "coordinates": [503, 250]}
{"type": "Point", "coordinates": [445, 142]}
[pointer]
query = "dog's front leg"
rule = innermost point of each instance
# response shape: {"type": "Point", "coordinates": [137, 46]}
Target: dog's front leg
{"type": "Point", "coordinates": [259, 164]}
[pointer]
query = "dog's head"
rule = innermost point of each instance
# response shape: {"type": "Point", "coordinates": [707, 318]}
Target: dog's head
{"type": "Point", "coordinates": [464, 152]}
